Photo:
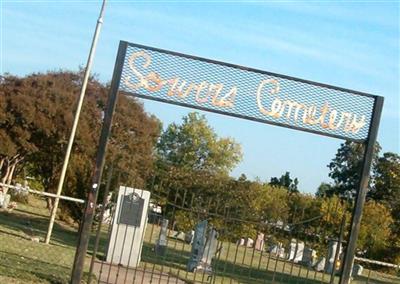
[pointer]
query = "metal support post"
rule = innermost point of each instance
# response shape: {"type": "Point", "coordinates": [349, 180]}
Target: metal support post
{"type": "Point", "coordinates": [362, 192]}
{"type": "Point", "coordinates": [86, 223]}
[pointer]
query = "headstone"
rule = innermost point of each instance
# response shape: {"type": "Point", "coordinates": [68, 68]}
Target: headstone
{"type": "Point", "coordinates": [309, 256]}
{"type": "Point", "coordinates": [209, 252]}
{"type": "Point", "coordinates": [249, 242]}
{"type": "Point", "coordinates": [161, 244]}
{"type": "Point", "coordinates": [259, 242]}
{"type": "Point", "coordinates": [179, 236]}
{"type": "Point", "coordinates": [199, 242]}
{"type": "Point", "coordinates": [128, 227]}
{"type": "Point", "coordinates": [357, 270]}
{"type": "Point", "coordinates": [277, 250]}
{"type": "Point", "coordinates": [1, 198]}
{"type": "Point", "coordinates": [281, 252]}
{"type": "Point", "coordinates": [333, 246]}
{"type": "Point", "coordinates": [189, 237]}
{"type": "Point", "coordinates": [296, 250]}
{"type": "Point", "coordinates": [106, 216]}
{"type": "Point", "coordinates": [4, 200]}
{"type": "Point", "coordinates": [320, 265]}
{"type": "Point", "coordinates": [241, 242]}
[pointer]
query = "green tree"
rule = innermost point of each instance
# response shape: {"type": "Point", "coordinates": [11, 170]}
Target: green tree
{"type": "Point", "coordinates": [345, 168]}
{"type": "Point", "coordinates": [43, 105]}
{"type": "Point", "coordinates": [375, 230]}
{"type": "Point", "coordinates": [387, 191]}
{"type": "Point", "coordinates": [194, 146]}
{"type": "Point", "coordinates": [387, 181]}
{"type": "Point", "coordinates": [15, 134]}
{"type": "Point", "coordinates": [192, 168]}
{"type": "Point", "coordinates": [324, 190]}
{"type": "Point", "coordinates": [286, 181]}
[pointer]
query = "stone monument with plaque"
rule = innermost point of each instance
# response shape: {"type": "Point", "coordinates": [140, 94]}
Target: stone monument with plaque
{"type": "Point", "coordinates": [128, 227]}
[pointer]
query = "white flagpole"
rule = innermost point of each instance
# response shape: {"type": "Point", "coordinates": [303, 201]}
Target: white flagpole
{"type": "Point", "coordinates": [76, 119]}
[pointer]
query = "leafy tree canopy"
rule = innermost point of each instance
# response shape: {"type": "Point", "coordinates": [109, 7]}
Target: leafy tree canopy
{"type": "Point", "coordinates": [36, 118]}
{"type": "Point", "coordinates": [285, 181]}
{"type": "Point", "coordinates": [345, 168]}
{"type": "Point", "coordinates": [194, 146]}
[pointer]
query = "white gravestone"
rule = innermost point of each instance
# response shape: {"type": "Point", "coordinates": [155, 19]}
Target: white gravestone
{"type": "Point", "coordinates": [357, 270]}
{"type": "Point", "coordinates": [278, 250]}
{"type": "Point", "coordinates": [296, 250]}
{"type": "Point", "coordinates": [4, 200]}
{"type": "Point", "coordinates": [309, 256]}
{"type": "Point", "coordinates": [189, 237]}
{"type": "Point", "coordinates": [209, 251]}
{"type": "Point", "coordinates": [128, 227]}
{"type": "Point", "coordinates": [319, 266]}
{"type": "Point", "coordinates": [259, 242]}
{"type": "Point", "coordinates": [241, 242]}
{"type": "Point", "coordinates": [179, 236]}
{"type": "Point", "coordinates": [249, 242]}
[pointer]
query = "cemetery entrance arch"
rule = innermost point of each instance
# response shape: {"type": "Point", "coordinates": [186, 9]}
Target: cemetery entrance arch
{"type": "Point", "coordinates": [241, 92]}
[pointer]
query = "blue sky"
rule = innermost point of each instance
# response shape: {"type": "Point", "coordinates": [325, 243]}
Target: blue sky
{"type": "Point", "coordinates": [351, 44]}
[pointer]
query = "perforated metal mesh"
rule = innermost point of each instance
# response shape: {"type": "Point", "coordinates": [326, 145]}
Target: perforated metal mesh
{"type": "Point", "coordinates": [247, 93]}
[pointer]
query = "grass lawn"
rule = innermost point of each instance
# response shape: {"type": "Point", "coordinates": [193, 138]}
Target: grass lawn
{"type": "Point", "coordinates": [25, 261]}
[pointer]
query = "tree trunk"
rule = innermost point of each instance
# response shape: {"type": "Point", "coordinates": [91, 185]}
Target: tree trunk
{"type": "Point", "coordinates": [1, 165]}
{"type": "Point", "coordinates": [5, 177]}
{"type": "Point", "coordinates": [10, 175]}
{"type": "Point", "coordinates": [49, 204]}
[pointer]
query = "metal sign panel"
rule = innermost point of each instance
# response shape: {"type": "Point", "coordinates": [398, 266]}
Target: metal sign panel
{"type": "Point", "coordinates": [246, 93]}
{"type": "Point", "coordinates": [131, 210]}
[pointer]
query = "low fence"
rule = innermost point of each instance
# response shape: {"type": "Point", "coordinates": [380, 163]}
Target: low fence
{"type": "Point", "coordinates": [203, 240]}
{"type": "Point", "coordinates": [176, 236]}
{"type": "Point", "coordinates": [373, 271]}
{"type": "Point", "coordinates": [24, 220]}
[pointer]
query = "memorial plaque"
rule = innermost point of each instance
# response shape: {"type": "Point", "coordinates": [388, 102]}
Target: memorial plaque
{"type": "Point", "coordinates": [131, 210]}
{"type": "Point", "coordinates": [128, 227]}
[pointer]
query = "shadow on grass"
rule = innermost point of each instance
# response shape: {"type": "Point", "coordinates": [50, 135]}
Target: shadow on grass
{"type": "Point", "coordinates": [178, 259]}
{"type": "Point", "coordinates": [30, 213]}
{"type": "Point", "coordinates": [28, 226]}
{"type": "Point", "coordinates": [29, 269]}
{"type": "Point", "coordinates": [364, 279]}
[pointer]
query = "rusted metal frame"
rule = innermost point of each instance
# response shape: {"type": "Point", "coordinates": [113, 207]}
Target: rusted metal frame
{"type": "Point", "coordinates": [163, 216]}
{"type": "Point", "coordinates": [125, 232]}
{"type": "Point", "coordinates": [134, 235]}
{"type": "Point", "coordinates": [98, 233]}
{"type": "Point", "coordinates": [86, 224]}
{"type": "Point", "coordinates": [174, 248]}
{"type": "Point", "coordinates": [190, 206]}
{"type": "Point", "coordinates": [151, 238]}
{"type": "Point", "coordinates": [361, 192]}
{"type": "Point", "coordinates": [207, 214]}
{"type": "Point", "coordinates": [164, 257]}
{"type": "Point", "coordinates": [139, 254]}
{"type": "Point", "coordinates": [220, 246]}
{"type": "Point", "coordinates": [109, 232]}
{"type": "Point", "coordinates": [253, 70]}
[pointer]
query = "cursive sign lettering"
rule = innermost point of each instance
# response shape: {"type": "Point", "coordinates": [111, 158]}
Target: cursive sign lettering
{"type": "Point", "coordinates": [218, 95]}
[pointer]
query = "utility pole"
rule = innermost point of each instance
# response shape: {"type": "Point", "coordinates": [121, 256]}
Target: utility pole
{"type": "Point", "coordinates": [76, 119]}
